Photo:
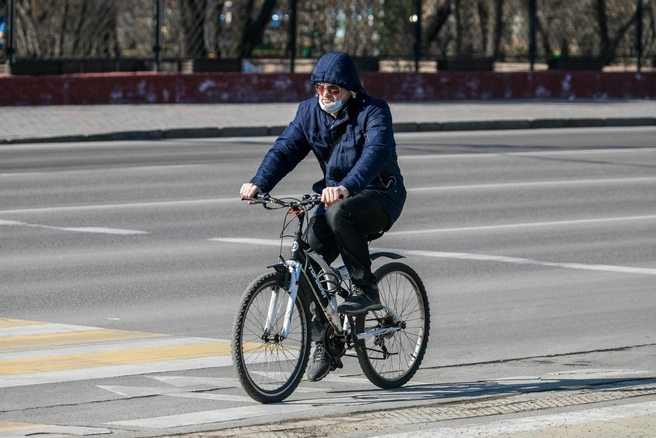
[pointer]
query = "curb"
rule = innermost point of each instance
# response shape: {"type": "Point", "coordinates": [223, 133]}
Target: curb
{"type": "Point", "coordinates": [259, 131]}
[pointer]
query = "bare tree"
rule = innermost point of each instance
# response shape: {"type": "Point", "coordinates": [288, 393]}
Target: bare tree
{"type": "Point", "coordinates": [251, 25]}
{"type": "Point", "coordinates": [193, 14]}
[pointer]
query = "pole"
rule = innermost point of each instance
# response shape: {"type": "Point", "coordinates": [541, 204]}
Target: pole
{"type": "Point", "coordinates": [292, 35]}
{"type": "Point", "coordinates": [418, 36]}
{"type": "Point", "coordinates": [639, 11]}
{"type": "Point", "coordinates": [158, 35]}
{"type": "Point", "coordinates": [532, 10]}
{"type": "Point", "coordinates": [11, 35]}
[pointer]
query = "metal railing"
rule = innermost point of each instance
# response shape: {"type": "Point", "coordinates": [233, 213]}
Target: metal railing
{"type": "Point", "coordinates": [399, 35]}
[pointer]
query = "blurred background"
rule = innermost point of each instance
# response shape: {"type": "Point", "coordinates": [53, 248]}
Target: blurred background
{"type": "Point", "coordinates": [73, 36]}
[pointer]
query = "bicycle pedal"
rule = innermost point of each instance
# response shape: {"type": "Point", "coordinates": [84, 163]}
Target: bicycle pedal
{"type": "Point", "coordinates": [335, 363]}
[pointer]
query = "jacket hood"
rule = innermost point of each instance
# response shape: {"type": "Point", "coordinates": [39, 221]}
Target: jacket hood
{"type": "Point", "coordinates": [337, 68]}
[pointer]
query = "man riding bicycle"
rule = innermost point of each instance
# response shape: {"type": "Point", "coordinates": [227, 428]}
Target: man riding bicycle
{"type": "Point", "coordinates": [362, 192]}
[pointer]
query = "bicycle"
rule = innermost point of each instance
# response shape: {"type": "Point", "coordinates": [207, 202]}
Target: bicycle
{"type": "Point", "coordinates": [271, 339]}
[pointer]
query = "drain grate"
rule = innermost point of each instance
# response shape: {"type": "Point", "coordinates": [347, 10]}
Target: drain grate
{"type": "Point", "coordinates": [386, 420]}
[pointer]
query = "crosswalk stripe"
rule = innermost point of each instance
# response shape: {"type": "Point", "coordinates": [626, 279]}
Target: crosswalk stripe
{"type": "Point", "coordinates": [11, 430]}
{"type": "Point", "coordinates": [74, 375]}
{"type": "Point", "coordinates": [112, 358]}
{"type": "Point", "coordinates": [69, 338]}
{"type": "Point", "coordinates": [33, 353]}
{"type": "Point", "coordinates": [6, 323]}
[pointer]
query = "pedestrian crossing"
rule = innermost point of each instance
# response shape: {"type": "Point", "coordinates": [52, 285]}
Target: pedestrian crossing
{"type": "Point", "coordinates": [34, 353]}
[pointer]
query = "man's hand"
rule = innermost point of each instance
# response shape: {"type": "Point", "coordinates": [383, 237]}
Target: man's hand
{"type": "Point", "coordinates": [332, 195]}
{"type": "Point", "coordinates": [249, 190]}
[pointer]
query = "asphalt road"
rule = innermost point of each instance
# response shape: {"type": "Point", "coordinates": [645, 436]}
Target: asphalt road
{"type": "Point", "coordinates": [533, 245]}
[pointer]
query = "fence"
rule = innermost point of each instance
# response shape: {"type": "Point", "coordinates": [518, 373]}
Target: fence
{"type": "Point", "coordinates": [66, 36]}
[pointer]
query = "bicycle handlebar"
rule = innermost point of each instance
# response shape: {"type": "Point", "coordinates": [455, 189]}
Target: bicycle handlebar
{"type": "Point", "coordinates": [294, 204]}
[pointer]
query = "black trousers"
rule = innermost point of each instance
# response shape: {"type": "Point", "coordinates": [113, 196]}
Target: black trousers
{"type": "Point", "coordinates": [344, 230]}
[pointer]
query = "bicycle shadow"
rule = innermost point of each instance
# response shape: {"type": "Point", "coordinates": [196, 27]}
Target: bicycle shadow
{"type": "Point", "coordinates": [456, 391]}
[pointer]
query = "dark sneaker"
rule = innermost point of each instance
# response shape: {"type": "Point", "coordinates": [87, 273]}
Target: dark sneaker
{"type": "Point", "coordinates": [320, 365]}
{"type": "Point", "coordinates": [362, 300]}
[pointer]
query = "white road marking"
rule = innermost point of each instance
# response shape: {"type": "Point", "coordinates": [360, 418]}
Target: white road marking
{"type": "Point", "coordinates": [100, 347]}
{"type": "Point", "coordinates": [216, 416]}
{"type": "Point", "coordinates": [524, 225]}
{"type": "Point", "coordinates": [44, 329]}
{"type": "Point", "coordinates": [137, 205]}
{"type": "Point", "coordinates": [533, 184]}
{"type": "Point", "coordinates": [535, 423]}
{"type": "Point", "coordinates": [236, 200]}
{"type": "Point", "coordinates": [113, 371]}
{"type": "Point", "coordinates": [98, 230]}
{"type": "Point", "coordinates": [523, 261]}
{"type": "Point", "coordinates": [182, 381]}
{"type": "Point", "coordinates": [469, 256]}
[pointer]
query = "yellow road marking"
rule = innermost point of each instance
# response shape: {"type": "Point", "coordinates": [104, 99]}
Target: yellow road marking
{"type": "Point", "coordinates": [113, 358]}
{"type": "Point", "coordinates": [70, 338]}
{"type": "Point", "coordinates": [8, 426]}
{"type": "Point", "coordinates": [8, 323]}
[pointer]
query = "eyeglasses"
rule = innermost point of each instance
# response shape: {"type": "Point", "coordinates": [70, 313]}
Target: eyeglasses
{"type": "Point", "coordinates": [332, 89]}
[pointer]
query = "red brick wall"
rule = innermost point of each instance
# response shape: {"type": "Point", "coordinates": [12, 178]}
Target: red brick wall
{"type": "Point", "coordinates": [114, 88]}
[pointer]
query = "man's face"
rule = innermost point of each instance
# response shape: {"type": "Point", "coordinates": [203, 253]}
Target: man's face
{"type": "Point", "coordinates": [330, 93]}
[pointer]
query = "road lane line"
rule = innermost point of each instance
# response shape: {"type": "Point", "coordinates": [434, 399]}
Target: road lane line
{"type": "Point", "coordinates": [469, 256]}
{"type": "Point", "coordinates": [137, 205]}
{"type": "Point", "coordinates": [532, 184]}
{"type": "Point", "coordinates": [523, 225]}
{"type": "Point", "coordinates": [522, 261]}
{"type": "Point", "coordinates": [235, 199]}
{"type": "Point", "coordinates": [522, 154]}
{"type": "Point", "coordinates": [97, 230]}
{"type": "Point", "coordinates": [216, 416]}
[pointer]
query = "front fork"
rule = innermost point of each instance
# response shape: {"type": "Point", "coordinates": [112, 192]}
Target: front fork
{"type": "Point", "coordinates": [348, 326]}
{"type": "Point", "coordinates": [294, 270]}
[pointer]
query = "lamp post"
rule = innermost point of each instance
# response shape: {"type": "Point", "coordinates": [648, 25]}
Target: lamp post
{"type": "Point", "coordinates": [158, 35]}
{"type": "Point", "coordinates": [11, 34]}
{"type": "Point", "coordinates": [639, 10]}
{"type": "Point", "coordinates": [292, 34]}
{"type": "Point", "coordinates": [418, 36]}
{"type": "Point", "coordinates": [532, 11]}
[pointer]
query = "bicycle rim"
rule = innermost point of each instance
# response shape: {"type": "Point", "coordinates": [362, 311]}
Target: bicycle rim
{"type": "Point", "coordinates": [269, 369]}
{"type": "Point", "coordinates": [390, 360]}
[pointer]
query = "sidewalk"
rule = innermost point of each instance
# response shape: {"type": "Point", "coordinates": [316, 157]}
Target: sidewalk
{"type": "Point", "coordinates": [39, 124]}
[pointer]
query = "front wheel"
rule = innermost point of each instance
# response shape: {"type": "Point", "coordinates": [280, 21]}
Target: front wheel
{"type": "Point", "coordinates": [389, 360]}
{"type": "Point", "coordinates": [269, 366]}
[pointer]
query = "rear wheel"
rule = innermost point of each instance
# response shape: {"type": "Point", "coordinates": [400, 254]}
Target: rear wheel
{"type": "Point", "coordinates": [269, 367]}
{"type": "Point", "coordinates": [389, 360]}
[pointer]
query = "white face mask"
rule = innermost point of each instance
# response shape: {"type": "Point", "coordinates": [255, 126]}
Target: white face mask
{"type": "Point", "coordinates": [331, 108]}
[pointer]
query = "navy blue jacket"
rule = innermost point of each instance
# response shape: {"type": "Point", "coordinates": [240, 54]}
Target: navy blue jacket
{"type": "Point", "coordinates": [363, 159]}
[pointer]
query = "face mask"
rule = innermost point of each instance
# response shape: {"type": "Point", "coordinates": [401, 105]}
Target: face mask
{"type": "Point", "coordinates": [331, 108]}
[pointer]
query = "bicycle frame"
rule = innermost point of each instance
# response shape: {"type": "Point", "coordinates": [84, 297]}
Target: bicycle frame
{"type": "Point", "coordinates": [297, 269]}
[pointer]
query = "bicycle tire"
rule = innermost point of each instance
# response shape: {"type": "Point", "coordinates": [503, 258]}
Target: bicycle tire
{"type": "Point", "coordinates": [391, 360]}
{"type": "Point", "coordinates": [269, 371]}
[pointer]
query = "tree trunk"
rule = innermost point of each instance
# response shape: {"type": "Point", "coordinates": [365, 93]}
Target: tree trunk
{"type": "Point", "coordinates": [602, 22]}
{"type": "Point", "coordinates": [193, 23]}
{"type": "Point", "coordinates": [253, 31]}
{"type": "Point", "coordinates": [435, 24]}
{"type": "Point", "coordinates": [484, 20]}
{"type": "Point", "coordinates": [499, 25]}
